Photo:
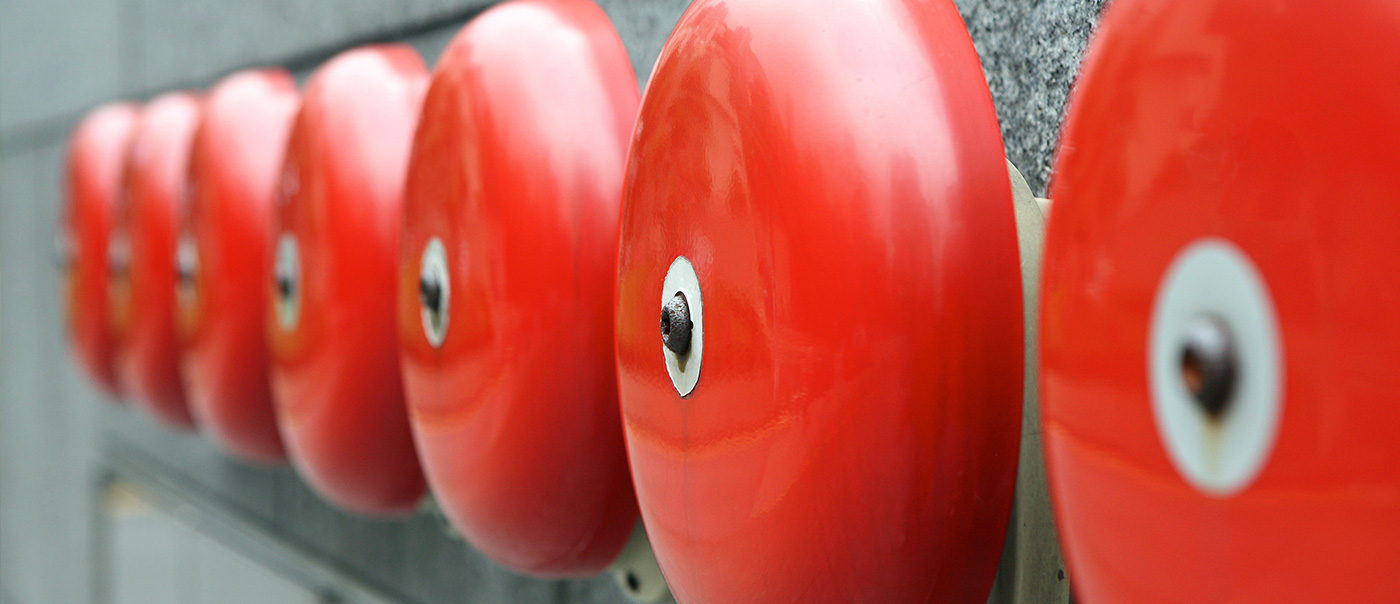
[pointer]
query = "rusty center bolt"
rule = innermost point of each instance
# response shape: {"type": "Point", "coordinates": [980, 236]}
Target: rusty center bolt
{"type": "Point", "coordinates": [1208, 364]}
{"type": "Point", "coordinates": [119, 260]}
{"type": "Point", "coordinates": [430, 293]}
{"type": "Point", "coordinates": [676, 324]}
{"type": "Point", "coordinates": [184, 275]}
{"type": "Point", "coordinates": [184, 266]}
{"type": "Point", "coordinates": [283, 276]}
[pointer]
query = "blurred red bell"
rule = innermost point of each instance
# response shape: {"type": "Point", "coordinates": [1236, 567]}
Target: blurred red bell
{"type": "Point", "coordinates": [330, 319]}
{"type": "Point", "coordinates": [224, 259]}
{"type": "Point", "coordinates": [817, 206]}
{"type": "Point", "coordinates": [1219, 336]}
{"type": "Point", "coordinates": [505, 285]}
{"type": "Point", "coordinates": [140, 253]}
{"type": "Point", "coordinates": [96, 165]}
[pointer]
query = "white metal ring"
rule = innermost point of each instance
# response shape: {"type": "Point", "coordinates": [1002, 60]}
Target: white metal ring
{"type": "Point", "coordinates": [1218, 455]}
{"type": "Point", "coordinates": [288, 267]}
{"type": "Point", "coordinates": [636, 571]}
{"type": "Point", "coordinates": [186, 263]}
{"type": "Point", "coordinates": [433, 267]}
{"type": "Point", "coordinates": [685, 369]}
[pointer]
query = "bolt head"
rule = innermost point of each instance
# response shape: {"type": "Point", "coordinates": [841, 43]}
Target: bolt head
{"type": "Point", "coordinates": [676, 325]}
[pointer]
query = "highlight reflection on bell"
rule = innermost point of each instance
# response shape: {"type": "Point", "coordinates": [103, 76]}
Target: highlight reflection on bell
{"type": "Point", "coordinates": [224, 259]}
{"type": "Point", "coordinates": [505, 285]}
{"type": "Point", "coordinates": [330, 307]}
{"type": "Point", "coordinates": [96, 164]}
{"type": "Point", "coordinates": [139, 252]}
{"type": "Point", "coordinates": [1217, 349]}
{"type": "Point", "coordinates": [830, 234]}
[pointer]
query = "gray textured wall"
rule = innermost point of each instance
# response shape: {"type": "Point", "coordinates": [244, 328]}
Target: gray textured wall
{"type": "Point", "coordinates": [59, 437]}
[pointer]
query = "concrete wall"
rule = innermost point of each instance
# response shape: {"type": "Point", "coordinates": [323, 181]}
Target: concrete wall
{"type": "Point", "coordinates": [59, 438]}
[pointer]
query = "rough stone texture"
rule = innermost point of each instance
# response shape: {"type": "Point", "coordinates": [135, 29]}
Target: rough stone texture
{"type": "Point", "coordinates": [1031, 52]}
{"type": "Point", "coordinates": [644, 31]}
{"type": "Point", "coordinates": [60, 57]}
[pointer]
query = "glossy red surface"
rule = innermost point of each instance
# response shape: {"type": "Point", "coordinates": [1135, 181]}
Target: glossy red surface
{"type": "Point", "coordinates": [835, 174]}
{"type": "Point", "coordinates": [517, 167]}
{"type": "Point", "coordinates": [335, 369]}
{"type": "Point", "coordinates": [143, 294]}
{"type": "Point", "coordinates": [234, 170]}
{"type": "Point", "coordinates": [96, 163]}
{"type": "Point", "coordinates": [1273, 126]}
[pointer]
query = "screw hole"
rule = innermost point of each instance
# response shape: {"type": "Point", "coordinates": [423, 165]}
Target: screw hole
{"type": "Point", "coordinates": [634, 584]}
